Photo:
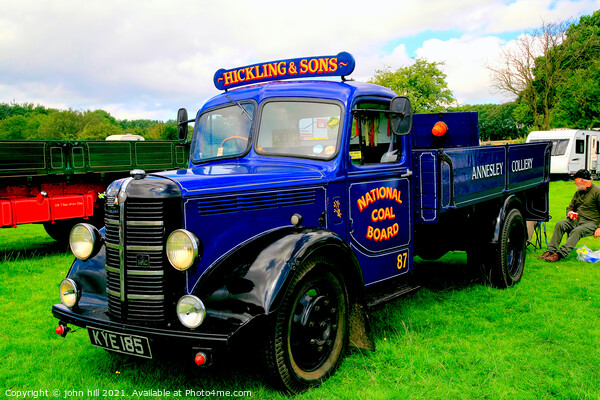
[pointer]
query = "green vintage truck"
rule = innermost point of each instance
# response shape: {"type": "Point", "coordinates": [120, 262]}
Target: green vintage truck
{"type": "Point", "coordinates": [61, 183]}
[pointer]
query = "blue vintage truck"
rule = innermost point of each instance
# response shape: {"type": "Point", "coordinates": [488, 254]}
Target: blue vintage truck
{"type": "Point", "coordinates": [304, 203]}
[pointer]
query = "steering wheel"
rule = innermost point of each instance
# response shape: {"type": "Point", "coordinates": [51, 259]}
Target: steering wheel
{"type": "Point", "coordinates": [233, 137]}
{"type": "Point", "coordinates": [220, 149]}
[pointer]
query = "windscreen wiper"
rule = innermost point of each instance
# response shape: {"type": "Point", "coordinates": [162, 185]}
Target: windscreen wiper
{"type": "Point", "coordinates": [240, 106]}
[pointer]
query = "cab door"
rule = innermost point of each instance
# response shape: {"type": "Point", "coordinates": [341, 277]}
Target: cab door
{"type": "Point", "coordinates": [379, 193]}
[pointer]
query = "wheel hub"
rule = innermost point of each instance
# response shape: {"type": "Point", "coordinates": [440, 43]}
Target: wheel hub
{"type": "Point", "coordinates": [314, 328]}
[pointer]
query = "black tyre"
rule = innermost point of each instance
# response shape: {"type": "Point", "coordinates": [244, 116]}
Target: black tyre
{"type": "Point", "coordinates": [310, 332]}
{"type": "Point", "coordinates": [60, 230]}
{"type": "Point", "coordinates": [509, 262]}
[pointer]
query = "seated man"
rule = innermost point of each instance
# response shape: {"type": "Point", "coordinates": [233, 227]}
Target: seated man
{"type": "Point", "coordinates": [583, 218]}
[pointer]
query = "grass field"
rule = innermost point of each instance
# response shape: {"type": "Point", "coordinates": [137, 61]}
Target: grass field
{"type": "Point", "coordinates": [453, 339]}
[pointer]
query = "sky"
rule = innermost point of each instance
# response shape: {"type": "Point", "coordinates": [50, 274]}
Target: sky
{"type": "Point", "coordinates": [145, 59]}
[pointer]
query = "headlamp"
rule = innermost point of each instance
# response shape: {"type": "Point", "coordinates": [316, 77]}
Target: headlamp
{"type": "Point", "coordinates": [69, 293]}
{"type": "Point", "coordinates": [85, 241]}
{"type": "Point", "coordinates": [190, 311]}
{"type": "Point", "coordinates": [182, 249]}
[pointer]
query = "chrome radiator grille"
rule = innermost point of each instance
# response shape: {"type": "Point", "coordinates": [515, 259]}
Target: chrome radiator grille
{"type": "Point", "coordinates": [135, 260]}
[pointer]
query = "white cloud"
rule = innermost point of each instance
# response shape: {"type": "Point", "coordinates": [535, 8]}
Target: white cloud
{"type": "Point", "coordinates": [141, 111]}
{"type": "Point", "coordinates": [465, 64]}
{"type": "Point", "coordinates": [367, 64]}
{"type": "Point", "coordinates": [528, 14]}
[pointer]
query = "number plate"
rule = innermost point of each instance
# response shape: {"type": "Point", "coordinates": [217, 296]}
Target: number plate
{"type": "Point", "coordinates": [119, 342]}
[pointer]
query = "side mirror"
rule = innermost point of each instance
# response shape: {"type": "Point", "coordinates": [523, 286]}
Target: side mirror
{"type": "Point", "coordinates": [182, 124]}
{"type": "Point", "coordinates": [401, 115]}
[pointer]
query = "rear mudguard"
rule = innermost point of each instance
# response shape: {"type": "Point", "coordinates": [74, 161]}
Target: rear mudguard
{"type": "Point", "coordinates": [253, 280]}
{"type": "Point", "coordinates": [509, 203]}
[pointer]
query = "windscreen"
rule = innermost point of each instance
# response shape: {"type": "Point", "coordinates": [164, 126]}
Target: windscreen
{"type": "Point", "coordinates": [223, 133]}
{"type": "Point", "coordinates": [299, 129]}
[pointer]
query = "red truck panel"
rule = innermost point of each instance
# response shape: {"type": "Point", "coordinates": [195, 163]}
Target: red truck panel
{"type": "Point", "coordinates": [6, 218]}
{"type": "Point", "coordinates": [40, 209]}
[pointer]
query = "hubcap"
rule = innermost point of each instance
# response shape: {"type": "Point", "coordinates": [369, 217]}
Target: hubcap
{"type": "Point", "coordinates": [313, 328]}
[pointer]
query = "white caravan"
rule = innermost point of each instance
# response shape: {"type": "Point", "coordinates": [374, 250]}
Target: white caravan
{"type": "Point", "coordinates": [127, 136]}
{"type": "Point", "coordinates": [572, 150]}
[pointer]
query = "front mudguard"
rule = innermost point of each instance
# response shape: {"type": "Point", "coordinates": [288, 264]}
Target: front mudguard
{"type": "Point", "coordinates": [90, 276]}
{"type": "Point", "coordinates": [253, 279]}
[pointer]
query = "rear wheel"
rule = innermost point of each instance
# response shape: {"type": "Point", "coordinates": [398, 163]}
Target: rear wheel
{"type": "Point", "coordinates": [310, 331]}
{"type": "Point", "coordinates": [509, 262]}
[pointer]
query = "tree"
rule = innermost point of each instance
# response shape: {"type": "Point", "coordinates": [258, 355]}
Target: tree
{"type": "Point", "coordinates": [422, 82]}
{"type": "Point", "coordinates": [155, 132]}
{"type": "Point", "coordinates": [27, 109]}
{"type": "Point", "coordinates": [29, 122]}
{"type": "Point", "coordinates": [534, 70]}
{"type": "Point", "coordinates": [97, 125]}
{"type": "Point", "coordinates": [99, 130]}
{"type": "Point", "coordinates": [61, 125]}
{"type": "Point", "coordinates": [170, 132]}
{"type": "Point", "coordinates": [579, 107]}
{"type": "Point", "coordinates": [553, 72]}
{"type": "Point", "coordinates": [579, 104]}
{"type": "Point", "coordinates": [13, 128]}
{"type": "Point", "coordinates": [496, 121]}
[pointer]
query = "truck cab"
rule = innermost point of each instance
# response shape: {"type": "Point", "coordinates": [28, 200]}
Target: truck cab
{"type": "Point", "coordinates": [304, 203]}
{"type": "Point", "coordinates": [328, 155]}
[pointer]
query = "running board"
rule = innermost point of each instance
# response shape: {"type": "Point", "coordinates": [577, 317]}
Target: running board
{"type": "Point", "coordinates": [387, 291]}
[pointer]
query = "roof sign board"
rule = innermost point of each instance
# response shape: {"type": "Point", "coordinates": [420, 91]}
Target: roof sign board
{"type": "Point", "coordinates": [307, 67]}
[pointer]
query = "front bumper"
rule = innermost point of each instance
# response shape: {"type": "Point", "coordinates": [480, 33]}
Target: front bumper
{"type": "Point", "coordinates": [211, 339]}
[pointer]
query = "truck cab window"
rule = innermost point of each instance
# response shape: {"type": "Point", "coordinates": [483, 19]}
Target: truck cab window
{"type": "Point", "coordinates": [224, 132]}
{"type": "Point", "coordinates": [299, 129]}
{"type": "Point", "coordinates": [372, 140]}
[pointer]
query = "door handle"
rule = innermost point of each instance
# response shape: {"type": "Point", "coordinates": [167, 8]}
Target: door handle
{"type": "Point", "coordinates": [407, 174]}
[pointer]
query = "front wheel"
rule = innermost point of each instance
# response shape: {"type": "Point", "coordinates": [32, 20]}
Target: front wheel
{"type": "Point", "coordinates": [310, 332]}
{"type": "Point", "coordinates": [509, 262]}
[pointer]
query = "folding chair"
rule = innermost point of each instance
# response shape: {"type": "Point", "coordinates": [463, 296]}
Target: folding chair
{"type": "Point", "coordinates": [534, 230]}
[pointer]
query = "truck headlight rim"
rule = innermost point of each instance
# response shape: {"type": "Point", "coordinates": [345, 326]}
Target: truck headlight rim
{"type": "Point", "coordinates": [69, 293]}
{"type": "Point", "coordinates": [182, 249]}
{"type": "Point", "coordinates": [84, 241]}
{"type": "Point", "coordinates": [191, 311]}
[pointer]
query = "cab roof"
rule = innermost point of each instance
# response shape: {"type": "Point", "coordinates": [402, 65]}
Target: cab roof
{"type": "Point", "coordinates": [316, 89]}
